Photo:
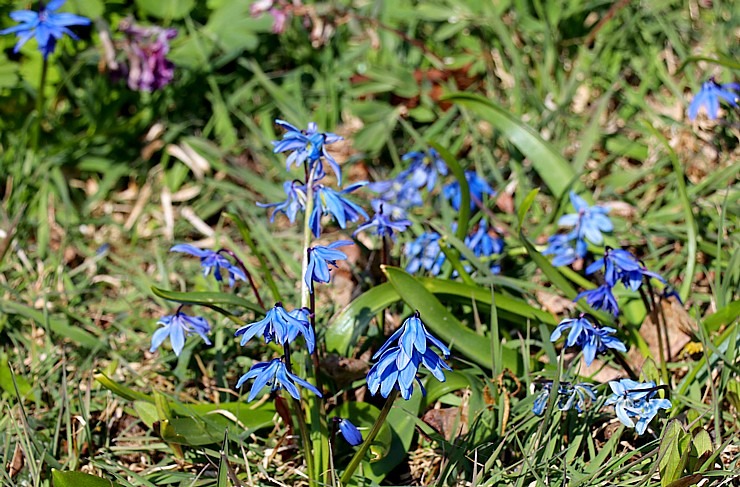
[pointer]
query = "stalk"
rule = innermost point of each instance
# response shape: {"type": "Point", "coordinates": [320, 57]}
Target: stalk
{"type": "Point", "coordinates": [247, 273]}
{"type": "Point", "coordinates": [298, 411]}
{"type": "Point", "coordinates": [360, 453]}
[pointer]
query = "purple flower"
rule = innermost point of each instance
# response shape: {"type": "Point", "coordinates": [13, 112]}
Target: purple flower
{"type": "Point", "coordinates": [281, 326]}
{"type": "Point", "coordinates": [591, 339]}
{"type": "Point", "coordinates": [709, 97]}
{"type": "Point", "coordinates": [308, 145]}
{"type": "Point", "coordinates": [178, 327]}
{"type": "Point", "coordinates": [320, 258]}
{"type": "Point", "coordinates": [477, 185]}
{"type": "Point", "coordinates": [384, 226]}
{"type": "Point", "coordinates": [46, 25]}
{"type": "Point", "coordinates": [296, 200]}
{"type": "Point", "coordinates": [211, 260]}
{"type": "Point", "coordinates": [146, 49]}
{"type": "Point", "coordinates": [279, 10]}
{"type": "Point", "coordinates": [601, 298]}
{"type": "Point", "coordinates": [276, 375]}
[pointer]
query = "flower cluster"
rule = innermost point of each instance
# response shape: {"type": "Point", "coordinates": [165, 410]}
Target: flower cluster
{"type": "Point", "coordinates": [569, 396]}
{"type": "Point", "coordinates": [636, 403]}
{"type": "Point", "coordinates": [587, 223]}
{"type": "Point", "coordinates": [47, 26]}
{"type": "Point", "coordinates": [588, 337]}
{"type": "Point", "coordinates": [400, 357]}
{"type": "Point", "coordinates": [477, 186]}
{"type": "Point", "coordinates": [213, 261]}
{"type": "Point", "coordinates": [146, 50]}
{"type": "Point", "coordinates": [709, 97]}
{"type": "Point", "coordinates": [618, 266]}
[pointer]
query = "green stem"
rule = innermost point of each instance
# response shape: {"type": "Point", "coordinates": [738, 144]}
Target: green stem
{"type": "Point", "coordinates": [40, 99]}
{"type": "Point", "coordinates": [360, 453]}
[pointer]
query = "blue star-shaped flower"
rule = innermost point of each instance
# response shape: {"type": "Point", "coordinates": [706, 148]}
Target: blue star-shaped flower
{"type": "Point", "coordinates": [561, 246]}
{"type": "Point", "coordinates": [424, 170]}
{"type": "Point", "coordinates": [334, 203]}
{"type": "Point", "coordinates": [589, 338]}
{"type": "Point", "coordinates": [485, 246]}
{"type": "Point", "coordinates": [398, 193]}
{"type": "Point", "coordinates": [478, 187]}
{"type": "Point", "coordinates": [349, 431]}
{"type": "Point", "coordinates": [601, 298]}
{"type": "Point", "coordinates": [46, 25]}
{"type": "Point", "coordinates": [569, 396]}
{"type": "Point", "coordinates": [424, 253]}
{"type": "Point", "coordinates": [308, 145]}
{"type": "Point", "coordinates": [276, 375]}
{"type": "Point", "coordinates": [211, 260]}
{"type": "Point", "coordinates": [589, 221]}
{"type": "Point", "coordinates": [178, 327]}
{"type": "Point", "coordinates": [709, 97]}
{"type": "Point", "coordinates": [620, 265]}
{"type": "Point", "coordinates": [320, 258]}
{"type": "Point", "coordinates": [281, 326]}
{"type": "Point", "coordinates": [296, 200]}
{"type": "Point", "coordinates": [634, 400]}
{"type": "Point", "coordinates": [383, 224]}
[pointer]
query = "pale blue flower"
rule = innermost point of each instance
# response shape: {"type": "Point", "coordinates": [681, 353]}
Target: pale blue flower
{"type": "Point", "coordinates": [384, 226]}
{"type": "Point", "coordinates": [275, 375]}
{"type": "Point", "coordinates": [334, 203]}
{"type": "Point", "coordinates": [709, 97]}
{"type": "Point", "coordinates": [585, 335]}
{"type": "Point", "coordinates": [296, 200]}
{"type": "Point", "coordinates": [178, 327]}
{"type": "Point", "coordinates": [212, 261]}
{"type": "Point", "coordinates": [308, 145]}
{"type": "Point", "coordinates": [424, 253]}
{"type": "Point", "coordinates": [477, 186]}
{"type": "Point", "coordinates": [569, 396]}
{"type": "Point", "coordinates": [424, 170]}
{"type": "Point", "coordinates": [46, 25]}
{"type": "Point", "coordinates": [636, 403]}
{"type": "Point", "coordinates": [589, 221]}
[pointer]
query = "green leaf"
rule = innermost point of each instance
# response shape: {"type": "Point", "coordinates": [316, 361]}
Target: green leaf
{"type": "Point", "coordinates": [79, 479]}
{"type": "Point", "coordinates": [437, 318]}
{"type": "Point", "coordinates": [209, 299]}
{"type": "Point", "coordinates": [723, 316]}
{"type": "Point", "coordinates": [60, 326]}
{"type": "Point", "coordinates": [524, 208]}
{"type": "Point", "coordinates": [147, 412]}
{"type": "Point", "coordinates": [122, 391]}
{"type": "Point", "coordinates": [457, 171]}
{"type": "Point", "coordinates": [554, 170]}
{"type": "Point", "coordinates": [352, 322]}
{"type": "Point", "coordinates": [166, 9]}
{"type": "Point", "coordinates": [672, 458]}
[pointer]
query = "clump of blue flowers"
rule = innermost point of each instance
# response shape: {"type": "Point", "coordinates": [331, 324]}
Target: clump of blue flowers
{"type": "Point", "coordinates": [709, 97]}
{"type": "Point", "coordinates": [400, 357]}
{"type": "Point", "coordinates": [47, 26]}
{"type": "Point", "coordinates": [570, 396]}
{"type": "Point", "coordinates": [477, 186]}
{"type": "Point", "coordinates": [587, 224]}
{"type": "Point", "coordinates": [636, 403]}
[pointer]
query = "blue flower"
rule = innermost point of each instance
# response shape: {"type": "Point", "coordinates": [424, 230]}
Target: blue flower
{"type": "Point", "coordinates": [308, 145]}
{"type": "Point", "coordinates": [46, 25]}
{"type": "Point", "coordinates": [281, 326]}
{"type": "Point", "coordinates": [477, 185]}
{"type": "Point", "coordinates": [178, 327]}
{"type": "Point", "coordinates": [709, 97]}
{"type": "Point", "coordinates": [601, 298]}
{"type": "Point", "coordinates": [384, 226]}
{"type": "Point", "coordinates": [397, 192]}
{"type": "Point", "coordinates": [634, 400]}
{"type": "Point", "coordinates": [485, 246]}
{"type": "Point", "coordinates": [330, 202]}
{"type": "Point", "coordinates": [397, 366]}
{"type": "Point", "coordinates": [569, 396]}
{"type": "Point", "coordinates": [589, 221]}
{"type": "Point", "coordinates": [424, 253]}
{"type": "Point", "coordinates": [562, 247]}
{"type": "Point", "coordinates": [276, 375]}
{"type": "Point", "coordinates": [621, 265]}
{"type": "Point", "coordinates": [211, 260]}
{"type": "Point", "coordinates": [349, 431]}
{"type": "Point", "coordinates": [296, 200]}
{"type": "Point", "coordinates": [424, 169]}
{"type": "Point", "coordinates": [320, 258]}
{"type": "Point", "coordinates": [591, 339]}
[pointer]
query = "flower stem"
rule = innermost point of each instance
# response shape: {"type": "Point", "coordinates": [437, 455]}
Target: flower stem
{"type": "Point", "coordinates": [246, 273]}
{"type": "Point", "coordinates": [360, 453]}
{"type": "Point", "coordinates": [298, 411]}
{"type": "Point", "coordinates": [40, 99]}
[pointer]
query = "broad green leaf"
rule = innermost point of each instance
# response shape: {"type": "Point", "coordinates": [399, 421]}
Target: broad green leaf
{"type": "Point", "coordinates": [723, 316]}
{"type": "Point", "coordinates": [352, 322]}
{"type": "Point", "coordinates": [6, 380]}
{"type": "Point", "coordinates": [79, 479]}
{"type": "Point", "coordinates": [147, 412]}
{"type": "Point", "coordinates": [438, 319]}
{"type": "Point", "coordinates": [166, 9]}
{"type": "Point", "coordinates": [122, 391]}
{"type": "Point", "coordinates": [672, 458]}
{"type": "Point", "coordinates": [209, 299]}
{"type": "Point", "coordinates": [554, 170]}
{"type": "Point", "coordinates": [524, 208]}
{"type": "Point", "coordinates": [701, 448]}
